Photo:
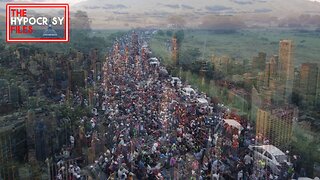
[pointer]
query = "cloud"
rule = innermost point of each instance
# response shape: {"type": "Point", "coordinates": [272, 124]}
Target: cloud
{"type": "Point", "coordinates": [173, 6]}
{"type": "Point", "coordinates": [184, 6]}
{"type": "Point", "coordinates": [130, 19]}
{"type": "Point", "coordinates": [107, 7]}
{"type": "Point", "coordinates": [242, 1]}
{"type": "Point", "coordinates": [92, 7]}
{"type": "Point", "coordinates": [119, 13]}
{"type": "Point", "coordinates": [176, 6]}
{"type": "Point", "coordinates": [157, 14]}
{"type": "Point", "coordinates": [245, 2]}
{"type": "Point", "coordinates": [109, 18]}
{"type": "Point", "coordinates": [80, 20]}
{"type": "Point", "coordinates": [200, 13]}
{"type": "Point", "coordinates": [114, 6]}
{"type": "Point", "coordinates": [217, 8]}
{"type": "Point", "coordinates": [262, 10]}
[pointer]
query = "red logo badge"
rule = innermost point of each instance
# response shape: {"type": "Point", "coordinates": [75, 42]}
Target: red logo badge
{"type": "Point", "coordinates": [37, 22]}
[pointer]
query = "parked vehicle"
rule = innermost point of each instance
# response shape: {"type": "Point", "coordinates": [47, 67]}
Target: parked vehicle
{"type": "Point", "coordinates": [154, 61]}
{"type": "Point", "coordinates": [203, 105]}
{"type": "Point", "coordinates": [272, 156]}
{"type": "Point", "coordinates": [175, 81]}
{"type": "Point", "coordinates": [202, 102]}
{"type": "Point", "coordinates": [188, 91]}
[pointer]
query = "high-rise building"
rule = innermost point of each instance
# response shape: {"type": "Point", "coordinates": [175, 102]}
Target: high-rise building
{"type": "Point", "coordinates": [221, 63]}
{"type": "Point", "coordinates": [260, 81]}
{"type": "Point", "coordinates": [78, 79]}
{"type": "Point", "coordinates": [308, 83]}
{"type": "Point", "coordinates": [41, 148]}
{"type": "Point", "coordinates": [259, 61]}
{"type": "Point", "coordinates": [135, 44]}
{"type": "Point", "coordinates": [286, 63]}
{"type": "Point", "coordinates": [174, 50]}
{"type": "Point", "coordinates": [267, 74]}
{"type": "Point", "coordinates": [13, 145]}
{"type": "Point", "coordinates": [275, 124]}
{"type": "Point", "coordinates": [10, 96]}
{"type": "Point", "coordinates": [274, 66]}
{"type": "Point", "coordinates": [94, 59]}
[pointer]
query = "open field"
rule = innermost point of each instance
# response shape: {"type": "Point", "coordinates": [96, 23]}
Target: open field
{"type": "Point", "coordinates": [245, 44]}
{"type": "Point", "coordinates": [159, 48]}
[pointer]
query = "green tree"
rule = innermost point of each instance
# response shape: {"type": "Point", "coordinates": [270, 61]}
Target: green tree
{"type": "Point", "coordinates": [161, 33]}
{"type": "Point", "coordinates": [306, 148]}
{"type": "Point", "coordinates": [188, 59]}
{"type": "Point", "coordinates": [210, 70]}
{"type": "Point", "coordinates": [180, 36]}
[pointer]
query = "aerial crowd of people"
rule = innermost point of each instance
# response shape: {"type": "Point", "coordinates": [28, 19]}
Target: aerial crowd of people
{"type": "Point", "coordinates": [151, 128]}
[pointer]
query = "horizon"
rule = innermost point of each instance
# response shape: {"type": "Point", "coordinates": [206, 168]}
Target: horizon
{"type": "Point", "coordinates": [128, 14]}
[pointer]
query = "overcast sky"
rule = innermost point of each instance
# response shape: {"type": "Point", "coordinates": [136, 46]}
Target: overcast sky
{"type": "Point", "coordinates": [77, 1]}
{"type": "Point", "coordinates": [134, 13]}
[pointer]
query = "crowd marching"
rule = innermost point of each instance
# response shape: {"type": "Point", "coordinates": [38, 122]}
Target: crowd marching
{"type": "Point", "coordinates": [151, 129]}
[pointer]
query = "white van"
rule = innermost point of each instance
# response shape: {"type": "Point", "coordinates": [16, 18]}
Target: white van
{"type": "Point", "coordinates": [176, 80]}
{"type": "Point", "coordinates": [154, 61]}
{"type": "Point", "coordinates": [203, 105]}
{"type": "Point", "coordinates": [202, 102]}
{"type": "Point", "coordinates": [187, 91]}
{"type": "Point", "coordinates": [271, 155]}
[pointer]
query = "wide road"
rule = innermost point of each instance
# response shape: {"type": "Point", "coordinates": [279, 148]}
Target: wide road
{"type": "Point", "coordinates": [152, 128]}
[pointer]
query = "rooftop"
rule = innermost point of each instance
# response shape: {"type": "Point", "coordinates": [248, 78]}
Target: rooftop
{"type": "Point", "coordinates": [272, 150]}
{"type": "Point", "coordinates": [10, 121]}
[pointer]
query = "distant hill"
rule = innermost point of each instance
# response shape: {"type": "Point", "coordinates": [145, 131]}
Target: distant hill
{"type": "Point", "coordinates": [128, 13]}
{"type": "Point", "coordinates": [115, 14]}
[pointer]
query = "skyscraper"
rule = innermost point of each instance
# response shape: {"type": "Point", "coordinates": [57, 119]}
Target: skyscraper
{"type": "Point", "coordinates": [274, 66]}
{"type": "Point", "coordinates": [174, 50]}
{"type": "Point", "coordinates": [286, 68]}
{"type": "Point", "coordinates": [275, 124]}
{"type": "Point", "coordinates": [259, 61]}
{"type": "Point", "coordinates": [308, 82]}
{"type": "Point", "coordinates": [13, 145]}
{"type": "Point", "coordinates": [135, 43]}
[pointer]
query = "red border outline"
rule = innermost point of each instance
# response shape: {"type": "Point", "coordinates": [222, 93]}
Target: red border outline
{"type": "Point", "coordinates": [64, 6]}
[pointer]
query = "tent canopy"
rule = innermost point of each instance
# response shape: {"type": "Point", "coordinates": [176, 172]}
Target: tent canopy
{"type": "Point", "coordinates": [233, 123]}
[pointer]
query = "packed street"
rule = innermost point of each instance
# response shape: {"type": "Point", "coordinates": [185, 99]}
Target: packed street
{"type": "Point", "coordinates": [160, 90]}
{"type": "Point", "coordinates": [149, 125]}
